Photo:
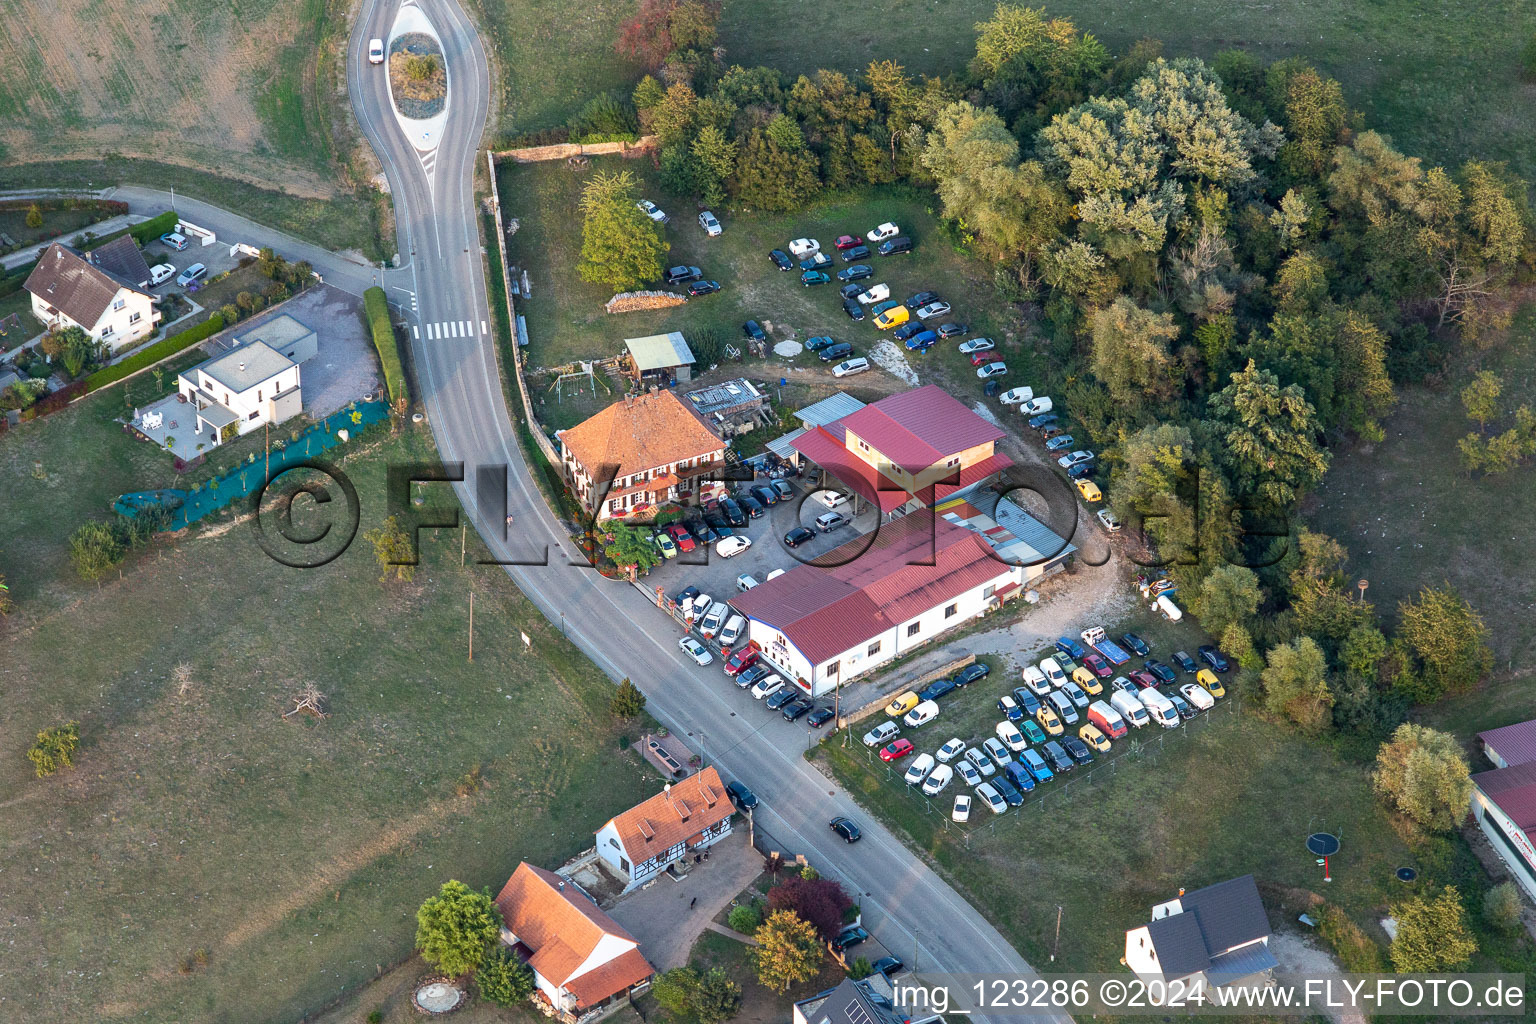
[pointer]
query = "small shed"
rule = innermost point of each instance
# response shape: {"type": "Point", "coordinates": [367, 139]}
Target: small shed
{"type": "Point", "coordinates": [663, 358]}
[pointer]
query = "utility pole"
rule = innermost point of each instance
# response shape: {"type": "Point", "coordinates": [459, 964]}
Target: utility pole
{"type": "Point", "coordinates": [914, 949]}
{"type": "Point", "coordinates": [463, 527]}
{"type": "Point", "coordinates": [1057, 944]}
{"type": "Point", "coordinates": [471, 625]}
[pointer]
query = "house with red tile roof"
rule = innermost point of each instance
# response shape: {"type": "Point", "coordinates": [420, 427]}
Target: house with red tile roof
{"type": "Point", "coordinates": [874, 599]}
{"type": "Point", "coordinates": [640, 453]}
{"type": "Point", "coordinates": [686, 817]}
{"type": "Point", "coordinates": [582, 959]}
{"type": "Point", "coordinates": [1504, 800]}
{"type": "Point", "coordinates": [911, 450]}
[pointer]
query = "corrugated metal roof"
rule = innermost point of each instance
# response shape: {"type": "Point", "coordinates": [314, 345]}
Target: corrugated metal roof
{"type": "Point", "coordinates": [1513, 789]}
{"type": "Point", "coordinates": [1031, 532]}
{"type": "Point", "coordinates": [830, 409]}
{"type": "Point", "coordinates": [659, 351]}
{"type": "Point", "coordinates": [918, 428]}
{"type": "Point", "coordinates": [1241, 963]}
{"type": "Point", "coordinates": [1516, 743]}
{"type": "Point", "coordinates": [784, 447]}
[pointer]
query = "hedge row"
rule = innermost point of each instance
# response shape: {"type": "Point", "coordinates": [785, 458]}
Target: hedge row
{"type": "Point", "coordinates": [387, 345]}
{"type": "Point", "coordinates": [148, 230]}
{"type": "Point", "coordinates": [162, 349]}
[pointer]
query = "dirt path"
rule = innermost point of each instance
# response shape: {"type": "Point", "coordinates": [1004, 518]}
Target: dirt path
{"type": "Point", "coordinates": [1297, 955]}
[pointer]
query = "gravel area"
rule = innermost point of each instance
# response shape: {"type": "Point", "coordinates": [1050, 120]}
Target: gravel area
{"type": "Point", "coordinates": [1297, 955]}
{"type": "Point", "coordinates": [892, 360]}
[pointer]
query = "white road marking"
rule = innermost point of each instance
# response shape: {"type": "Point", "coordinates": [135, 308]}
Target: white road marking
{"type": "Point", "coordinates": [455, 326]}
{"type": "Point", "coordinates": [469, 328]}
{"type": "Point", "coordinates": [483, 328]}
{"type": "Point", "coordinates": [416, 332]}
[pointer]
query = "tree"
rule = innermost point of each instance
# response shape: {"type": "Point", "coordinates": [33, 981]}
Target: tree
{"type": "Point", "coordinates": [627, 701]}
{"type": "Point", "coordinates": [393, 548]}
{"type": "Point", "coordinates": [820, 901]}
{"type": "Point", "coordinates": [620, 246]}
{"type": "Point", "coordinates": [455, 928]}
{"type": "Point", "coordinates": [662, 27]}
{"type": "Point", "coordinates": [1422, 774]}
{"type": "Point", "coordinates": [1448, 637]}
{"type": "Point", "coordinates": [1321, 605]}
{"type": "Point", "coordinates": [1270, 436]}
{"type": "Point", "coordinates": [1432, 934]}
{"type": "Point", "coordinates": [1315, 116]}
{"type": "Point", "coordinates": [718, 998]}
{"type": "Point", "coordinates": [631, 547]}
{"type": "Point", "coordinates": [95, 548]}
{"type": "Point", "coordinates": [1296, 684]}
{"type": "Point", "coordinates": [1502, 906]}
{"type": "Point", "coordinates": [1229, 594]}
{"type": "Point", "coordinates": [34, 216]}
{"type": "Point", "coordinates": [54, 749]}
{"type": "Point", "coordinates": [1130, 353]}
{"type": "Point", "coordinates": [771, 177]}
{"type": "Point", "coordinates": [714, 158]}
{"type": "Point", "coordinates": [788, 951]}
{"type": "Point", "coordinates": [693, 998]}
{"type": "Point", "coordinates": [504, 979]}
{"type": "Point", "coordinates": [1481, 398]}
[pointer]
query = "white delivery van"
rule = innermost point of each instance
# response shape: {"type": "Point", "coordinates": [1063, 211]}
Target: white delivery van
{"type": "Point", "coordinates": [1160, 708]}
{"type": "Point", "coordinates": [1064, 708]}
{"type": "Point", "coordinates": [1169, 610]}
{"type": "Point", "coordinates": [1130, 707]}
{"type": "Point", "coordinates": [1051, 669]}
{"type": "Point", "coordinates": [924, 713]}
{"type": "Point", "coordinates": [1036, 406]}
{"type": "Point", "coordinates": [731, 631]}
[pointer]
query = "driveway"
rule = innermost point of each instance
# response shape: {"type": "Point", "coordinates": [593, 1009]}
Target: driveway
{"type": "Point", "coordinates": [669, 915]}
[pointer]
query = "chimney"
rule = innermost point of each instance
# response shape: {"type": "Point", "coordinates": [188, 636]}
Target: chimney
{"type": "Point", "coordinates": [242, 366]}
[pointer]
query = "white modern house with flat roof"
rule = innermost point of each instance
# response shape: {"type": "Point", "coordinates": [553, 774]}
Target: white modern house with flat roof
{"type": "Point", "coordinates": [255, 383]}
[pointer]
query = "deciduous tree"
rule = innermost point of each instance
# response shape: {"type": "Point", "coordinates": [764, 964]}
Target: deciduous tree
{"type": "Point", "coordinates": [1296, 684]}
{"type": "Point", "coordinates": [1422, 774]}
{"type": "Point", "coordinates": [1481, 397]}
{"type": "Point", "coordinates": [393, 549]}
{"type": "Point", "coordinates": [1130, 353]}
{"type": "Point", "coordinates": [820, 901]}
{"type": "Point", "coordinates": [1228, 595]}
{"type": "Point", "coordinates": [788, 951]}
{"type": "Point", "coordinates": [631, 547]}
{"type": "Point", "coordinates": [1432, 934]}
{"type": "Point", "coordinates": [455, 928]}
{"type": "Point", "coordinates": [1449, 639]}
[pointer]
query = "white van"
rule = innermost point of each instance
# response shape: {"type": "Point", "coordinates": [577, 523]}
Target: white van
{"type": "Point", "coordinates": [924, 713]}
{"type": "Point", "coordinates": [1051, 668]}
{"type": "Point", "coordinates": [1036, 406]}
{"type": "Point", "coordinates": [1160, 708]}
{"type": "Point", "coordinates": [1065, 710]}
{"type": "Point", "coordinates": [732, 630]}
{"type": "Point", "coordinates": [1036, 681]}
{"type": "Point", "coordinates": [849, 367]}
{"type": "Point", "coordinates": [1130, 708]}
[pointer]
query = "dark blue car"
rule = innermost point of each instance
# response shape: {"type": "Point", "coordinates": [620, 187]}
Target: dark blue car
{"type": "Point", "coordinates": [1071, 648]}
{"type": "Point", "coordinates": [936, 689]}
{"type": "Point", "coordinates": [922, 341]}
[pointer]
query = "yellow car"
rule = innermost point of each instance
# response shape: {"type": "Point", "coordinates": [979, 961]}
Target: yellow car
{"type": "Point", "coordinates": [902, 704]}
{"type": "Point", "coordinates": [1048, 721]}
{"type": "Point", "coordinates": [1089, 490]}
{"type": "Point", "coordinates": [1091, 735]}
{"type": "Point", "coordinates": [1087, 680]}
{"type": "Point", "coordinates": [893, 318]}
{"type": "Point", "coordinates": [1211, 681]}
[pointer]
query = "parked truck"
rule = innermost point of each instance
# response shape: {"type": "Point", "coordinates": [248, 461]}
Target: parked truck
{"type": "Point", "coordinates": [1096, 638]}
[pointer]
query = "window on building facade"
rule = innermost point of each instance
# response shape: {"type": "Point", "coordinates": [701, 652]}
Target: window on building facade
{"type": "Point", "coordinates": [912, 629]}
{"type": "Point", "coordinates": [951, 611]}
{"type": "Point", "coordinates": [106, 332]}
{"type": "Point", "coordinates": [874, 649]}
{"type": "Point", "coordinates": [989, 591]}
{"type": "Point", "coordinates": [134, 317]}
{"type": "Point", "coordinates": [832, 669]}
{"type": "Point", "coordinates": [118, 304]}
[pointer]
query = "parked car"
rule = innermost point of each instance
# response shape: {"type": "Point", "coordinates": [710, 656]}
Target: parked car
{"type": "Point", "coordinates": [732, 630]}
{"type": "Point", "coordinates": [850, 291]}
{"type": "Point", "coordinates": [175, 239]}
{"type": "Point", "coordinates": [1094, 737]}
{"type": "Point", "coordinates": [881, 733]}
{"type": "Point", "coordinates": [684, 598]}
{"type": "Point", "coordinates": [700, 288]}
{"type": "Point", "coordinates": [680, 536]}
{"type": "Point", "coordinates": [799, 535]}
{"type": "Point", "coordinates": [745, 582]}
{"type": "Point", "coordinates": [1056, 754]}
{"type": "Point", "coordinates": [1007, 790]}
{"type": "Point", "coordinates": [896, 749]}
{"type": "Point", "coordinates": [982, 358]}
{"type": "Point", "coordinates": [1059, 442]}
{"type": "Point", "coordinates": [196, 272]}
{"type": "Point", "coordinates": [1075, 694]}
{"type": "Point", "coordinates": [882, 307]}
{"type": "Point", "coordinates": [845, 242]}
{"type": "Point", "coordinates": [831, 499]}
{"type": "Point", "coordinates": [1108, 520]}
{"type": "Point", "coordinates": [951, 749]}
{"type": "Point", "coordinates": [819, 717]}
{"type": "Point", "coordinates": [375, 51]}
{"type": "Point", "coordinates": [742, 659]}
{"type": "Point", "coordinates": [992, 370]}
{"type": "Point", "coordinates": [921, 715]}
{"type": "Point", "coordinates": [1142, 678]}
{"type": "Point", "coordinates": [829, 521]}
{"type": "Point", "coordinates": [918, 770]}
{"type": "Point", "coordinates": [858, 252]}
{"type": "Point", "coordinates": [838, 352]}
{"type": "Point", "coordinates": [1010, 708]}
{"type": "Point", "coordinates": [1036, 765]}
{"type": "Point", "coordinates": [1136, 644]}
{"type": "Point", "coordinates": [730, 547]}
{"type": "Point", "coordinates": [937, 780]}
{"type": "Point", "coordinates": [972, 672]}
{"type": "Point", "coordinates": [968, 348]}
{"type": "Point", "coordinates": [816, 261]}
{"type": "Point", "coordinates": [1076, 749]}
{"type": "Point", "coordinates": [765, 494]}
{"type": "Point", "coordinates": [1044, 421]}
{"type": "Point", "coordinates": [847, 829]}
{"type": "Point", "coordinates": [1011, 737]}
{"type": "Point", "coordinates": [981, 762]}
{"type": "Point", "coordinates": [734, 514]}
{"type": "Point", "coordinates": [932, 310]}
{"type": "Point", "coordinates": [1163, 672]}
{"type": "Point", "coordinates": [1184, 662]}
{"type": "Point", "coordinates": [1071, 648]}
{"type": "Point", "coordinates": [1185, 709]}
{"type": "Point", "coordinates": [695, 650]}
{"type": "Point", "coordinates": [1018, 774]}
{"type": "Point", "coordinates": [1016, 396]}
{"type": "Point", "coordinates": [1035, 679]}
{"type": "Point", "coordinates": [936, 689]}
{"type": "Point", "coordinates": [1198, 695]}
{"type": "Point", "coordinates": [988, 794]}
{"type": "Point", "coordinates": [856, 273]}
{"type": "Point", "coordinates": [952, 329]}
{"type": "Point", "coordinates": [961, 811]}
{"type": "Point", "coordinates": [819, 342]}
{"type": "Point", "coordinates": [1212, 657]}
{"type": "Point", "coordinates": [849, 367]}
{"type": "Point", "coordinates": [854, 310]}
{"type": "Point", "coordinates": [883, 232]}
{"type": "Point", "coordinates": [652, 211]}
{"type": "Point", "coordinates": [895, 246]}
{"type": "Point", "coordinates": [710, 224]}
{"type": "Point", "coordinates": [160, 273]}
{"type": "Point", "coordinates": [1031, 728]}
{"type": "Point", "coordinates": [922, 341]}
{"type": "Point", "coordinates": [754, 330]}
{"type": "Point", "coordinates": [811, 278]}
{"type": "Point", "coordinates": [902, 703]}
{"type": "Point", "coordinates": [1212, 683]}
{"type": "Point", "coordinates": [1047, 719]}
{"type": "Point", "coordinates": [781, 259]}
{"type": "Point", "coordinates": [767, 686]}
{"type": "Point", "coordinates": [665, 544]}
{"type": "Point", "coordinates": [1089, 490]}
{"type": "Point", "coordinates": [742, 797]}
{"type": "Point", "coordinates": [679, 274]}
{"type": "Point", "coordinates": [803, 247]}
{"type": "Point", "coordinates": [1074, 458]}
{"type": "Point", "coordinates": [780, 698]}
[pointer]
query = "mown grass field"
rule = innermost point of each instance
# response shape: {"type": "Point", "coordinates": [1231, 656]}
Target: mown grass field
{"type": "Point", "coordinates": [1441, 78]}
{"type": "Point", "coordinates": [209, 860]}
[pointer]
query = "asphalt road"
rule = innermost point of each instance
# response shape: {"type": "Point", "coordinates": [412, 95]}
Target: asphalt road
{"type": "Point", "coordinates": [906, 905]}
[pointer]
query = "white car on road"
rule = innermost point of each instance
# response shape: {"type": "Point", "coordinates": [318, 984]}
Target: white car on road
{"type": "Point", "coordinates": [937, 780]}
{"type": "Point", "coordinates": [730, 547]}
{"type": "Point", "coordinates": [962, 809]}
{"type": "Point", "coordinates": [695, 650]}
{"type": "Point", "coordinates": [884, 231]}
{"type": "Point", "coordinates": [918, 770]}
{"type": "Point", "coordinates": [375, 51]}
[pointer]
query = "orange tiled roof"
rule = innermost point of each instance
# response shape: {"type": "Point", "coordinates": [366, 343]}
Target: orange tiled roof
{"type": "Point", "coordinates": [672, 817]}
{"type": "Point", "coordinates": [613, 977]}
{"type": "Point", "coordinates": [555, 920]}
{"type": "Point", "coordinates": [649, 430]}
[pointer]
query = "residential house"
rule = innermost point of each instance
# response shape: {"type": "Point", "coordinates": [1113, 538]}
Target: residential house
{"type": "Point", "coordinates": [911, 450]}
{"type": "Point", "coordinates": [583, 961]}
{"type": "Point", "coordinates": [640, 453]}
{"type": "Point", "coordinates": [660, 358]}
{"type": "Point", "coordinates": [868, 1001]}
{"type": "Point", "coordinates": [732, 407]}
{"type": "Point", "coordinates": [123, 259]}
{"type": "Point", "coordinates": [68, 290]}
{"type": "Point", "coordinates": [1504, 800]}
{"type": "Point", "coordinates": [686, 817]}
{"type": "Point", "coordinates": [874, 599]}
{"type": "Point", "coordinates": [1218, 935]}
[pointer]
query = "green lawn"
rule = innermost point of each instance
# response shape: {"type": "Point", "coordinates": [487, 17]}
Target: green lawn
{"type": "Point", "coordinates": [1441, 78]}
{"type": "Point", "coordinates": [210, 861]}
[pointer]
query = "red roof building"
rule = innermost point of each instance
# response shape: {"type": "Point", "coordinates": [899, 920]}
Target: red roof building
{"type": "Point", "coordinates": [911, 450]}
{"type": "Point", "coordinates": [1510, 745]}
{"type": "Point", "coordinates": [1504, 803]}
{"type": "Point", "coordinates": [687, 816]}
{"type": "Point", "coordinates": [874, 599]}
{"type": "Point", "coordinates": [581, 958]}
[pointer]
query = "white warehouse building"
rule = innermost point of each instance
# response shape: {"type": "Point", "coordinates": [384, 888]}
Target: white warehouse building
{"type": "Point", "coordinates": [869, 601]}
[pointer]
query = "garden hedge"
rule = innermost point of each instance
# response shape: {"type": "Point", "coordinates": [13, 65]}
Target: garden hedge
{"type": "Point", "coordinates": [162, 349]}
{"type": "Point", "coordinates": [386, 344]}
{"type": "Point", "coordinates": [149, 230]}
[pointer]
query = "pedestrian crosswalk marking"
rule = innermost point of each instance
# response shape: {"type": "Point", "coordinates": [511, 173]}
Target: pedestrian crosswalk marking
{"type": "Point", "coordinates": [483, 328]}
{"type": "Point", "coordinates": [416, 332]}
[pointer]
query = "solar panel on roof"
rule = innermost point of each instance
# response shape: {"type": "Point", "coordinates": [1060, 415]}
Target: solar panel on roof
{"type": "Point", "coordinates": [857, 1014]}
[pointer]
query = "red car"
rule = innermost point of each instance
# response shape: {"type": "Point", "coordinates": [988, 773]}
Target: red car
{"type": "Point", "coordinates": [1142, 678]}
{"type": "Point", "coordinates": [982, 358]}
{"type": "Point", "coordinates": [681, 537]}
{"type": "Point", "coordinates": [742, 659]}
{"type": "Point", "coordinates": [846, 242]}
{"type": "Point", "coordinates": [1097, 665]}
{"type": "Point", "coordinates": [896, 750]}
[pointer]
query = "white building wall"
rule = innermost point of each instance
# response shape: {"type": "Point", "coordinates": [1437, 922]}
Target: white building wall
{"type": "Point", "coordinates": [1493, 821]}
{"type": "Point", "coordinates": [118, 328]}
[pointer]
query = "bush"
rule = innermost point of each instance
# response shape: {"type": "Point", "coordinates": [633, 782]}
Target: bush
{"type": "Point", "coordinates": [55, 749]}
{"type": "Point", "coordinates": [387, 346]}
{"type": "Point", "coordinates": [153, 228]}
{"type": "Point", "coordinates": [163, 349]}
{"type": "Point", "coordinates": [1501, 907]}
{"type": "Point", "coordinates": [503, 978]}
{"type": "Point", "coordinates": [1350, 944]}
{"type": "Point", "coordinates": [745, 919]}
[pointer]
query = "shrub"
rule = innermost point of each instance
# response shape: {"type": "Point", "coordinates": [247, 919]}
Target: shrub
{"type": "Point", "coordinates": [149, 230]}
{"type": "Point", "coordinates": [386, 344]}
{"type": "Point", "coordinates": [1432, 934]}
{"type": "Point", "coordinates": [860, 969]}
{"type": "Point", "coordinates": [627, 701]}
{"type": "Point", "coordinates": [55, 749]}
{"type": "Point", "coordinates": [1354, 948]}
{"type": "Point", "coordinates": [745, 919]}
{"type": "Point", "coordinates": [1501, 907]}
{"type": "Point", "coordinates": [820, 902]}
{"type": "Point", "coordinates": [163, 349]}
{"type": "Point", "coordinates": [34, 216]}
{"type": "Point", "coordinates": [95, 549]}
{"type": "Point", "coordinates": [503, 978]}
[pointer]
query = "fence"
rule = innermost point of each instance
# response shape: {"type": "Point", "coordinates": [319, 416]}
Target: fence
{"type": "Point", "coordinates": [565, 150]}
{"type": "Point", "coordinates": [1131, 750]}
{"type": "Point", "coordinates": [904, 685]}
